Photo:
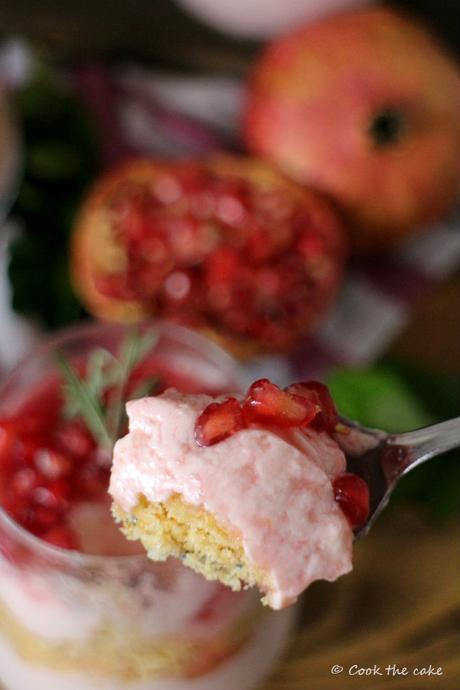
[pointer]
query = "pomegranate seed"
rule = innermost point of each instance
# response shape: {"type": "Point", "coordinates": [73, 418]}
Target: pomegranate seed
{"type": "Point", "coordinates": [43, 518]}
{"type": "Point", "coordinates": [61, 536]}
{"type": "Point", "coordinates": [352, 494]}
{"type": "Point", "coordinates": [23, 481]}
{"type": "Point", "coordinates": [25, 450]}
{"type": "Point", "coordinates": [222, 266]}
{"type": "Point", "coordinates": [53, 495]}
{"type": "Point", "coordinates": [115, 285]}
{"type": "Point", "coordinates": [52, 465]}
{"type": "Point", "coordinates": [92, 480]}
{"type": "Point", "coordinates": [7, 433]}
{"type": "Point", "coordinates": [219, 421]}
{"type": "Point", "coordinates": [327, 417]}
{"type": "Point", "coordinates": [16, 506]}
{"type": "Point", "coordinates": [73, 437]}
{"type": "Point", "coordinates": [265, 403]}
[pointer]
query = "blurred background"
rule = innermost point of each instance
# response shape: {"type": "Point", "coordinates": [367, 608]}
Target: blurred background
{"type": "Point", "coordinates": [92, 83]}
{"type": "Point", "coordinates": [160, 32]}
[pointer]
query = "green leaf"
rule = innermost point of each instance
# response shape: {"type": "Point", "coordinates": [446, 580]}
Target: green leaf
{"type": "Point", "coordinates": [378, 397]}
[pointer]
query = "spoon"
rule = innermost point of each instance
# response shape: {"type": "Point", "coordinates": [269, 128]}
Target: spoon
{"type": "Point", "coordinates": [381, 459]}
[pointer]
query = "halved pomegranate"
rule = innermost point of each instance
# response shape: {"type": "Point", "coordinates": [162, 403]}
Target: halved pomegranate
{"type": "Point", "coordinates": [228, 246]}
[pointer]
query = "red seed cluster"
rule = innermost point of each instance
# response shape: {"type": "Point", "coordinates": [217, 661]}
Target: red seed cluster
{"type": "Point", "coordinates": [252, 262]}
{"type": "Point", "coordinates": [47, 464]}
{"type": "Point", "coordinates": [300, 405]}
{"type": "Point", "coordinates": [267, 405]}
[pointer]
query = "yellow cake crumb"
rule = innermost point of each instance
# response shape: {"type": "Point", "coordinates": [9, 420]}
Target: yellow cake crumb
{"type": "Point", "coordinates": [176, 528]}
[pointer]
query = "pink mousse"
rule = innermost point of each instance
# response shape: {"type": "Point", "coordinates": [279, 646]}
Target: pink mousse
{"type": "Point", "coordinates": [273, 489]}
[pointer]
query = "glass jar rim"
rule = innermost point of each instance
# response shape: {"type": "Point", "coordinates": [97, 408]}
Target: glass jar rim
{"type": "Point", "coordinates": [67, 335]}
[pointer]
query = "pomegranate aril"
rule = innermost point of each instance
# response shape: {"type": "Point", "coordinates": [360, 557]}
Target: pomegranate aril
{"type": "Point", "coordinates": [54, 495]}
{"type": "Point", "coordinates": [43, 518]}
{"type": "Point", "coordinates": [327, 417]}
{"type": "Point", "coordinates": [52, 465]}
{"type": "Point", "coordinates": [218, 421]}
{"type": "Point", "coordinates": [114, 285]}
{"type": "Point", "coordinates": [61, 536]}
{"type": "Point", "coordinates": [352, 494]}
{"type": "Point", "coordinates": [222, 266]}
{"type": "Point", "coordinates": [24, 450]}
{"type": "Point", "coordinates": [74, 438]}
{"type": "Point", "coordinates": [24, 481]}
{"type": "Point", "coordinates": [258, 246]}
{"type": "Point", "coordinates": [267, 404]}
{"type": "Point", "coordinates": [7, 434]}
{"type": "Point", "coordinates": [92, 481]}
{"type": "Point", "coordinates": [16, 506]}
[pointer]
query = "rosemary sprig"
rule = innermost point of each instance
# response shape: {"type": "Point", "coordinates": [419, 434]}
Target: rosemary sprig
{"type": "Point", "coordinates": [133, 350]}
{"type": "Point", "coordinates": [148, 387]}
{"type": "Point", "coordinates": [82, 401]}
{"type": "Point", "coordinates": [99, 397]}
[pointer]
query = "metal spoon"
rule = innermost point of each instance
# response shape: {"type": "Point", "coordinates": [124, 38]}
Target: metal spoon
{"type": "Point", "coordinates": [381, 459]}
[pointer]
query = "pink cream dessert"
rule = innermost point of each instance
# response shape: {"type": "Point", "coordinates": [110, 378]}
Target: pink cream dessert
{"type": "Point", "coordinates": [243, 490]}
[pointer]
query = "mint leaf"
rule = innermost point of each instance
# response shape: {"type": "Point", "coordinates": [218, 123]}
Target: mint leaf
{"type": "Point", "coordinates": [378, 397]}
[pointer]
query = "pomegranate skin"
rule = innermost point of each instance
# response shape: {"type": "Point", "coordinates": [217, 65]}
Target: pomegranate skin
{"type": "Point", "coordinates": [364, 106]}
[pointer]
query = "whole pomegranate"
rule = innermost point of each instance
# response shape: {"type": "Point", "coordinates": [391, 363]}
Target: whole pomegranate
{"type": "Point", "coordinates": [228, 246]}
{"type": "Point", "coordinates": [364, 106]}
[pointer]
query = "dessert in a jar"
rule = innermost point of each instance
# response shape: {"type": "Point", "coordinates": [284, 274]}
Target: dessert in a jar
{"type": "Point", "coordinates": [81, 607]}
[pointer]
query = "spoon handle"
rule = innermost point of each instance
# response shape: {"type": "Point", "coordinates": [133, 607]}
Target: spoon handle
{"type": "Point", "coordinates": [426, 443]}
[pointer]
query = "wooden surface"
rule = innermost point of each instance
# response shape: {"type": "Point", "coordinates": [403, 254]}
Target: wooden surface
{"type": "Point", "coordinates": [433, 336]}
{"type": "Point", "coordinates": [400, 605]}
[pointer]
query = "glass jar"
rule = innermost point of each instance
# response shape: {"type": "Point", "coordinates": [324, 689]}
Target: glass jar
{"type": "Point", "coordinates": [108, 619]}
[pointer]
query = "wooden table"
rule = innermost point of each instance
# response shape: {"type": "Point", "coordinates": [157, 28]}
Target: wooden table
{"type": "Point", "coordinates": [400, 605]}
